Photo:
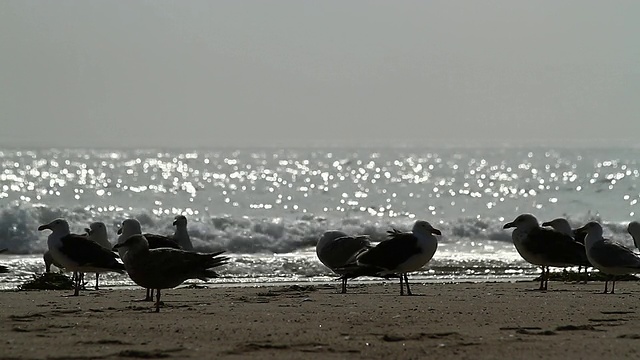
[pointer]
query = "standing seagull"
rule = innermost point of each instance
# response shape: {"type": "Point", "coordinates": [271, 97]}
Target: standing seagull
{"type": "Point", "coordinates": [400, 254]}
{"type": "Point", "coordinates": [607, 256]}
{"type": "Point", "coordinates": [545, 247]}
{"type": "Point", "coordinates": [182, 235]}
{"type": "Point", "coordinates": [563, 226]}
{"type": "Point", "coordinates": [634, 230]}
{"type": "Point", "coordinates": [132, 227]}
{"type": "Point", "coordinates": [166, 268]}
{"type": "Point", "coordinates": [336, 250]}
{"type": "Point", "coordinates": [97, 232]}
{"type": "Point", "coordinates": [77, 253]}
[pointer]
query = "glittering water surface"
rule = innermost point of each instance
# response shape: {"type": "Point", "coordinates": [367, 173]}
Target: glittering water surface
{"type": "Point", "coordinates": [267, 206]}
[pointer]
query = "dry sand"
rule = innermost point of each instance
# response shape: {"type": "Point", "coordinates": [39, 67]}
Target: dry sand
{"type": "Point", "coordinates": [445, 321]}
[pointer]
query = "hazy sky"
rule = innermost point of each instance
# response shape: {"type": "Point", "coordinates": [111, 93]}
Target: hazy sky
{"type": "Point", "coordinates": [290, 73]}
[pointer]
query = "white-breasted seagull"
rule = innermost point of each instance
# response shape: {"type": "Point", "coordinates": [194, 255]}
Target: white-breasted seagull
{"type": "Point", "coordinates": [77, 253]}
{"type": "Point", "coordinates": [608, 256]}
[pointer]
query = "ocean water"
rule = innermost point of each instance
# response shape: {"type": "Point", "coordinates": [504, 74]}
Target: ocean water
{"type": "Point", "coordinates": [267, 207]}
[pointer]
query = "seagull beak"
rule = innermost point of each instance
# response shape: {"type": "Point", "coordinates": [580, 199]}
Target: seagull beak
{"type": "Point", "coordinates": [546, 223]}
{"type": "Point", "coordinates": [87, 230]}
{"type": "Point", "coordinates": [436, 231]}
{"type": "Point", "coordinates": [116, 247]}
{"type": "Point", "coordinates": [119, 231]}
{"type": "Point", "coordinates": [175, 223]}
{"type": "Point", "coordinates": [508, 225]}
{"type": "Point", "coordinates": [44, 227]}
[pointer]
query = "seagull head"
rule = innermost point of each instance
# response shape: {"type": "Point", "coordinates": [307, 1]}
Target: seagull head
{"type": "Point", "coordinates": [96, 227]}
{"type": "Point", "coordinates": [594, 232]}
{"type": "Point", "coordinates": [634, 230]}
{"type": "Point", "coordinates": [560, 225]}
{"type": "Point", "coordinates": [130, 227]}
{"type": "Point", "coordinates": [133, 243]}
{"type": "Point", "coordinates": [57, 226]}
{"type": "Point", "coordinates": [424, 227]}
{"type": "Point", "coordinates": [180, 220]}
{"type": "Point", "coordinates": [523, 222]}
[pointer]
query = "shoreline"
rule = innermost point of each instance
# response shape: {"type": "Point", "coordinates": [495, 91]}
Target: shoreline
{"type": "Point", "coordinates": [444, 321]}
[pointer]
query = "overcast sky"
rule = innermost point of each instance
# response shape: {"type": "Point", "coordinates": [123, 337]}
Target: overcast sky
{"type": "Point", "coordinates": [291, 73]}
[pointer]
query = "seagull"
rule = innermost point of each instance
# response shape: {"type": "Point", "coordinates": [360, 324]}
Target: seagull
{"type": "Point", "coordinates": [166, 268]}
{"type": "Point", "coordinates": [132, 227]}
{"type": "Point", "coordinates": [77, 253]}
{"type": "Point", "coordinates": [562, 225]}
{"type": "Point", "coordinates": [97, 232]}
{"type": "Point", "coordinates": [48, 261]}
{"type": "Point", "coordinates": [182, 235]}
{"type": "Point", "coordinates": [335, 250]}
{"type": "Point", "coordinates": [545, 247]}
{"type": "Point", "coordinates": [634, 230]}
{"type": "Point", "coordinates": [607, 256]}
{"type": "Point", "coordinates": [401, 253]}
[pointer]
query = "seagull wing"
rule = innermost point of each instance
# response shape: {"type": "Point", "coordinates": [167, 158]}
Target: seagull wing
{"type": "Point", "coordinates": [390, 253]}
{"type": "Point", "coordinates": [88, 253]}
{"type": "Point", "coordinates": [611, 254]}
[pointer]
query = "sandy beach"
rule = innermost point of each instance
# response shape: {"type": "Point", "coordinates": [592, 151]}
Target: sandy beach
{"type": "Point", "coordinates": [444, 321]}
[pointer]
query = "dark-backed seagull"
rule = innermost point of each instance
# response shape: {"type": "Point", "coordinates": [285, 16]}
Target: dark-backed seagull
{"type": "Point", "coordinates": [335, 250]}
{"type": "Point", "coordinates": [400, 254]}
{"type": "Point", "coordinates": [562, 225]}
{"type": "Point", "coordinates": [132, 227]}
{"type": "Point", "coordinates": [607, 256]}
{"type": "Point", "coordinates": [166, 268]}
{"type": "Point", "coordinates": [545, 247]}
{"type": "Point", "coordinates": [77, 253]}
{"type": "Point", "coordinates": [181, 235]}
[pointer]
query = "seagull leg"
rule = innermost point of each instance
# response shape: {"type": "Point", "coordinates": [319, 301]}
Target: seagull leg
{"type": "Point", "coordinates": [157, 300]}
{"type": "Point", "coordinates": [76, 285]}
{"type": "Point", "coordinates": [613, 284]}
{"type": "Point", "coordinates": [82, 283]}
{"type": "Point", "coordinates": [406, 282]}
{"type": "Point", "coordinates": [344, 285]}
{"type": "Point", "coordinates": [542, 279]}
{"type": "Point", "coordinates": [546, 279]}
{"type": "Point", "coordinates": [97, 276]}
{"type": "Point", "coordinates": [401, 287]}
{"type": "Point", "coordinates": [606, 282]}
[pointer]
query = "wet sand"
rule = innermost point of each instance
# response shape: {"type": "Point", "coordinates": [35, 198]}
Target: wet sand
{"type": "Point", "coordinates": [444, 321]}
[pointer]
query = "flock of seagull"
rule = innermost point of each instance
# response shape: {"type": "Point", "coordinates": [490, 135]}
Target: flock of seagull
{"type": "Point", "coordinates": [154, 262]}
{"type": "Point", "coordinates": [158, 262]}
{"type": "Point", "coordinates": [552, 244]}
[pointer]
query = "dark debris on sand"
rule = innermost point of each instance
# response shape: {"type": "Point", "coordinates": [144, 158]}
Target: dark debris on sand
{"type": "Point", "coordinates": [48, 281]}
